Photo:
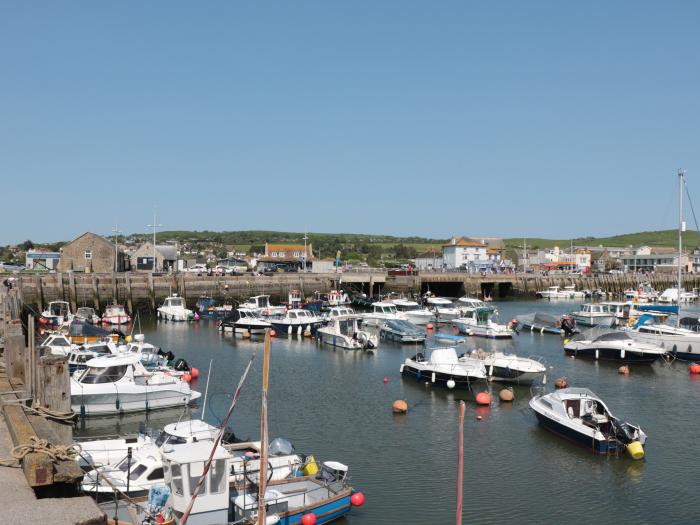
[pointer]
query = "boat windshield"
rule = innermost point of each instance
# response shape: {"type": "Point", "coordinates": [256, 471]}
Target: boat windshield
{"type": "Point", "coordinates": [176, 301]}
{"type": "Point", "coordinates": [109, 374]}
{"type": "Point", "coordinates": [164, 437]}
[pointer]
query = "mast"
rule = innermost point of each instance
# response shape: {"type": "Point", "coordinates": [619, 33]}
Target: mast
{"type": "Point", "coordinates": [681, 229]}
{"type": "Point", "coordinates": [263, 432]}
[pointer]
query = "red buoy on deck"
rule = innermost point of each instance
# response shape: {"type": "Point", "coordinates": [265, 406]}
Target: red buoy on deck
{"type": "Point", "coordinates": [483, 398]}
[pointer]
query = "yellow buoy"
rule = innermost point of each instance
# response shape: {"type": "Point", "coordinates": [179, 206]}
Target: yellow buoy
{"type": "Point", "coordinates": [566, 341]}
{"type": "Point", "coordinates": [127, 339]}
{"type": "Point", "coordinates": [311, 468]}
{"type": "Point", "coordinates": [635, 450]}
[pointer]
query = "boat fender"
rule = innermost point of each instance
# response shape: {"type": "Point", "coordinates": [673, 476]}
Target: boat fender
{"type": "Point", "coordinates": [433, 378]}
{"type": "Point", "coordinates": [357, 499]}
{"type": "Point", "coordinates": [308, 519]}
{"type": "Point", "coordinates": [597, 353]}
{"type": "Point", "coordinates": [451, 384]}
{"type": "Point", "coordinates": [622, 353]}
{"type": "Point", "coordinates": [311, 468]}
{"type": "Point", "coordinates": [401, 369]}
{"type": "Point", "coordinates": [635, 450]}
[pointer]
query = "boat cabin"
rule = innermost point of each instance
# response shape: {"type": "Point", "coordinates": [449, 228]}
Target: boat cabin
{"type": "Point", "coordinates": [295, 299]}
{"type": "Point", "coordinates": [384, 308]}
{"type": "Point", "coordinates": [174, 302]}
{"type": "Point", "coordinates": [340, 311]}
{"type": "Point", "coordinates": [58, 309]}
{"type": "Point", "coordinates": [114, 368]}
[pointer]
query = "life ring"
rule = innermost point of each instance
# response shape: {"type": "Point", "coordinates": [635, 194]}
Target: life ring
{"type": "Point", "coordinates": [631, 321]}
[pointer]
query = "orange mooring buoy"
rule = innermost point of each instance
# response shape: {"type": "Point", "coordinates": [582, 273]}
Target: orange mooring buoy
{"type": "Point", "coordinates": [560, 382]}
{"type": "Point", "coordinates": [399, 406]}
{"type": "Point", "coordinates": [694, 368]}
{"type": "Point", "coordinates": [483, 398]}
{"type": "Point", "coordinates": [624, 370]}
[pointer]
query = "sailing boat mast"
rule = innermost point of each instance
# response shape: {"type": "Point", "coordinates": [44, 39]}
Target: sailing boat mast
{"type": "Point", "coordinates": [263, 432]}
{"type": "Point", "coordinates": [681, 229]}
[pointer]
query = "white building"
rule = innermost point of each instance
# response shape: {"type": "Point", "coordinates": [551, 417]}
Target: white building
{"type": "Point", "coordinates": [463, 252]}
{"type": "Point", "coordinates": [428, 261]}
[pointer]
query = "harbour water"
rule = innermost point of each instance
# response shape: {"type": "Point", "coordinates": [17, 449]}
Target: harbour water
{"type": "Point", "coordinates": [335, 405]}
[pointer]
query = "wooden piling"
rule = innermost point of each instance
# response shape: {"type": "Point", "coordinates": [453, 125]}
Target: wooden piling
{"type": "Point", "coordinates": [129, 300]}
{"type": "Point", "coordinates": [95, 293]}
{"type": "Point", "coordinates": [14, 351]}
{"type": "Point", "coordinates": [151, 291]}
{"type": "Point", "coordinates": [72, 292]}
{"type": "Point", "coordinates": [39, 292]}
{"type": "Point", "coordinates": [59, 286]}
{"type": "Point", "coordinates": [53, 389]}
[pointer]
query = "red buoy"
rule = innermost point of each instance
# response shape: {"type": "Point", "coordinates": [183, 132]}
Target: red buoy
{"type": "Point", "coordinates": [386, 379]}
{"type": "Point", "coordinates": [186, 377]}
{"type": "Point", "coordinates": [272, 333]}
{"type": "Point", "coordinates": [560, 383]}
{"type": "Point", "coordinates": [429, 326]}
{"type": "Point", "coordinates": [308, 519]}
{"type": "Point", "coordinates": [357, 499]}
{"type": "Point", "coordinates": [483, 398]}
{"type": "Point", "coordinates": [694, 368]}
{"type": "Point", "coordinates": [194, 373]}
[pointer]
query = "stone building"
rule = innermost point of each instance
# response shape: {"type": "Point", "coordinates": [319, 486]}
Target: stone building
{"type": "Point", "coordinates": [166, 258]}
{"type": "Point", "coordinates": [89, 253]}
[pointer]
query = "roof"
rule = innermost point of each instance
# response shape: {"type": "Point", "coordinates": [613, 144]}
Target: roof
{"type": "Point", "coordinates": [190, 427]}
{"type": "Point", "coordinates": [194, 452]}
{"type": "Point", "coordinates": [288, 248]}
{"type": "Point", "coordinates": [114, 360]}
{"type": "Point", "coordinates": [463, 241]}
{"type": "Point", "coordinates": [432, 254]}
{"type": "Point", "coordinates": [97, 237]}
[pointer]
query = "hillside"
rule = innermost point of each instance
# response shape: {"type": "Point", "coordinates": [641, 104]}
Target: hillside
{"type": "Point", "coordinates": [654, 238]}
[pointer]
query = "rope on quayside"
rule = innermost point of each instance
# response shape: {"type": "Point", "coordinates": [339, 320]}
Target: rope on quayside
{"type": "Point", "coordinates": [41, 446]}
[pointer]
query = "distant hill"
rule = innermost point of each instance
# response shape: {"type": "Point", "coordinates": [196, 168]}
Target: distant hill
{"type": "Point", "coordinates": [655, 238]}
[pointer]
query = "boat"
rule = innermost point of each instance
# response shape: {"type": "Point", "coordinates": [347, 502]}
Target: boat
{"type": "Point", "coordinates": [466, 303]}
{"type": "Point", "coordinates": [244, 320]}
{"type": "Point", "coordinates": [681, 343]}
{"type": "Point", "coordinates": [56, 315]}
{"type": "Point", "coordinates": [339, 311]}
{"type": "Point", "coordinates": [414, 312]}
{"type": "Point", "coordinates": [382, 311]}
{"type": "Point", "coordinates": [116, 314]}
{"type": "Point", "coordinates": [96, 453]}
{"type": "Point", "coordinates": [509, 368]}
{"type": "Point", "coordinates": [444, 368]}
{"type": "Point", "coordinates": [449, 338]}
{"type": "Point", "coordinates": [295, 300]}
{"type": "Point", "coordinates": [297, 322]}
{"type": "Point", "coordinates": [644, 293]}
{"type": "Point", "coordinates": [594, 314]}
{"type": "Point", "coordinates": [401, 331]}
{"type": "Point", "coordinates": [261, 305]}
{"type": "Point", "coordinates": [86, 314]}
{"type": "Point", "coordinates": [557, 292]}
{"type": "Point", "coordinates": [337, 298]}
{"type": "Point", "coordinates": [80, 355]}
{"type": "Point", "coordinates": [207, 307]}
{"type": "Point", "coordinates": [443, 309]}
{"type": "Point", "coordinates": [624, 311]}
{"type": "Point", "coordinates": [173, 309]}
{"type": "Point", "coordinates": [57, 343]}
{"type": "Point", "coordinates": [80, 333]}
{"type": "Point", "coordinates": [477, 322]}
{"type": "Point", "coordinates": [546, 323]}
{"type": "Point", "coordinates": [151, 356]}
{"type": "Point", "coordinates": [345, 332]}
{"type": "Point", "coordinates": [613, 346]}
{"type": "Point", "coordinates": [581, 416]}
{"type": "Point", "coordinates": [670, 296]}
{"type": "Point", "coordinates": [120, 383]}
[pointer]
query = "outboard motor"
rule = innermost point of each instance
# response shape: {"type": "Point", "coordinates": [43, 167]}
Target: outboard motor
{"type": "Point", "coordinates": [181, 365]}
{"type": "Point", "coordinates": [568, 324]}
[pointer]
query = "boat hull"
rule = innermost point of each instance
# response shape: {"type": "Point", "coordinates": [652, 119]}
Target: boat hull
{"type": "Point", "coordinates": [97, 404]}
{"type": "Point", "coordinates": [414, 372]}
{"type": "Point", "coordinates": [587, 320]}
{"type": "Point", "coordinates": [508, 375]}
{"type": "Point", "coordinates": [595, 445]}
{"type": "Point", "coordinates": [613, 354]}
{"type": "Point", "coordinates": [296, 328]}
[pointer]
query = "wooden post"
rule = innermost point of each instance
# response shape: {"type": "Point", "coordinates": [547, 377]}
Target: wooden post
{"type": "Point", "coordinates": [59, 286]}
{"type": "Point", "coordinates": [53, 392]}
{"type": "Point", "coordinates": [151, 291]}
{"type": "Point", "coordinates": [115, 293]}
{"type": "Point", "coordinates": [95, 293]}
{"type": "Point", "coordinates": [28, 358]}
{"type": "Point", "coordinates": [39, 293]}
{"type": "Point", "coordinates": [14, 351]}
{"type": "Point", "coordinates": [129, 301]}
{"type": "Point", "coordinates": [72, 292]}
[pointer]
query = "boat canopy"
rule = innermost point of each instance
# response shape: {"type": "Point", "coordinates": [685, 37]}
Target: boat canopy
{"type": "Point", "coordinates": [81, 329]}
{"type": "Point", "coordinates": [613, 336]}
{"type": "Point", "coordinates": [399, 325]}
{"type": "Point", "coordinates": [441, 356]}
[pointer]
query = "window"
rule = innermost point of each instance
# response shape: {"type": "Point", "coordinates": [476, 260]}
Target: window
{"type": "Point", "coordinates": [109, 374]}
{"type": "Point", "coordinates": [217, 476]}
{"type": "Point", "coordinates": [176, 479]}
{"type": "Point", "coordinates": [156, 474]}
{"type": "Point", "coordinates": [88, 254]}
{"type": "Point", "coordinates": [274, 254]}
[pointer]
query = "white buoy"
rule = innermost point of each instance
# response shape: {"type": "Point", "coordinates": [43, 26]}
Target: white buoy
{"type": "Point", "coordinates": [289, 330]}
{"type": "Point", "coordinates": [451, 383]}
{"type": "Point", "coordinates": [433, 377]}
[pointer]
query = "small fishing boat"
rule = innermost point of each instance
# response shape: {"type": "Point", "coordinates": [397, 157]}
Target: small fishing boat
{"type": "Point", "coordinates": [120, 383]}
{"type": "Point", "coordinates": [557, 292]}
{"type": "Point", "coordinates": [207, 307]}
{"type": "Point", "coordinates": [345, 332]}
{"type": "Point", "coordinates": [443, 309]}
{"type": "Point", "coordinates": [644, 293]}
{"type": "Point", "coordinates": [339, 311]}
{"type": "Point", "coordinates": [613, 346]}
{"type": "Point", "coordinates": [444, 368]}
{"type": "Point", "coordinates": [414, 312]}
{"type": "Point", "coordinates": [244, 320]}
{"type": "Point", "coordinates": [173, 309]}
{"type": "Point", "coordinates": [595, 314]}
{"type": "Point", "coordinates": [477, 322]}
{"type": "Point", "coordinates": [297, 322]}
{"type": "Point", "coordinates": [402, 332]}
{"type": "Point", "coordinates": [382, 311]}
{"type": "Point", "coordinates": [58, 344]}
{"type": "Point", "coordinates": [546, 324]}
{"type": "Point", "coordinates": [581, 416]}
{"type": "Point", "coordinates": [466, 304]}
{"type": "Point", "coordinates": [79, 356]}
{"type": "Point", "coordinates": [86, 314]}
{"type": "Point", "coordinates": [80, 333]}
{"type": "Point", "coordinates": [261, 304]}
{"type": "Point", "coordinates": [57, 314]}
{"type": "Point", "coordinates": [449, 339]}
{"type": "Point", "coordinates": [510, 368]}
{"type": "Point", "coordinates": [96, 453]}
{"type": "Point", "coordinates": [151, 356]}
{"type": "Point", "coordinates": [116, 314]}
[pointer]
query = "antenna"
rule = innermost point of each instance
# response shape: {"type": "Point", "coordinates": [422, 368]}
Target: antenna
{"type": "Point", "coordinates": [154, 226]}
{"type": "Point", "coordinates": [116, 232]}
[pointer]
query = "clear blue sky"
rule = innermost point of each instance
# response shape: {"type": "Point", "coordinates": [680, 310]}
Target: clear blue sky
{"type": "Point", "coordinates": [552, 119]}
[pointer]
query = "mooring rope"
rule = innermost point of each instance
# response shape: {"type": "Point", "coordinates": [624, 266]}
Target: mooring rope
{"type": "Point", "coordinates": [51, 414]}
{"type": "Point", "coordinates": [41, 446]}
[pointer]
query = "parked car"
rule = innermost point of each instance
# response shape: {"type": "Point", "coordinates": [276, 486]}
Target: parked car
{"type": "Point", "coordinates": [197, 268]}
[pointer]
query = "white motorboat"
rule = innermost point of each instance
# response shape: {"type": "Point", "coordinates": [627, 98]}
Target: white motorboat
{"type": "Point", "coordinates": [466, 302]}
{"type": "Point", "coordinates": [670, 296]}
{"type": "Point", "coordinates": [80, 355]}
{"type": "Point", "coordinates": [444, 368]}
{"type": "Point", "coordinates": [644, 293]}
{"type": "Point", "coordinates": [477, 322]}
{"type": "Point", "coordinates": [58, 344]}
{"type": "Point", "coordinates": [261, 304]}
{"type": "Point", "coordinates": [151, 356]}
{"type": "Point", "coordinates": [414, 312]}
{"type": "Point", "coordinates": [613, 346]}
{"type": "Point", "coordinates": [57, 314]}
{"type": "Point", "coordinates": [120, 383]}
{"type": "Point", "coordinates": [581, 416]}
{"type": "Point", "coordinates": [444, 309]}
{"type": "Point", "coordinates": [95, 453]}
{"type": "Point", "coordinates": [85, 314]}
{"type": "Point", "coordinates": [510, 368]}
{"type": "Point", "coordinates": [557, 292]}
{"type": "Point", "coordinates": [339, 311]}
{"type": "Point", "coordinates": [245, 321]}
{"type": "Point", "coordinates": [116, 314]}
{"type": "Point", "coordinates": [345, 332]}
{"type": "Point", "coordinates": [681, 343]}
{"type": "Point", "coordinates": [173, 309]}
{"type": "Point", "coordinates": [595, 314]}
{"type": "Point", "coordinates": [297, 322]}
{"type": "Point", "coordinates": [402, 331]}
{"type": "Point", "coordinates": [382, 311]}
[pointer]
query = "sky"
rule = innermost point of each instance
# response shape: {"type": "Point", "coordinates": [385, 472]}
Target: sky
{"type": "Point", "coordinates": [510, 118]}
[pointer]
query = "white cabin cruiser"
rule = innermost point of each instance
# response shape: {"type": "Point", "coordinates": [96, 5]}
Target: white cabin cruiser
{"type": "Point", "coordinates": [414, 312]}
{"type": "Point", "coordinates": [261, 305]}
{"type": "Point", "coordinates": [345, 332]}
{"type": "Point", "coordinates": [510, 368]}
{"type": "Point", "coordinates": [58, 344]}
{"type": "Point", "coordinates": [120, 383]}
{"type": "Point", "coordinates": [340, 311]}
{"type": "Point", "coordinates": [471, 302]}
{"type": "Point", "coordinates": [151, 356]}
{"type": "Point", "coordinates": [116, 314]}
{"type": "Point", "coordinates": [244, 320]}
{"type": "Point", "coordinates": [477, 322]}
{"type": "Point", "coordinates": [670, 296]}
{"type": "Point", "coordinates": [613, 346]}
{"type": "Point", "coordinates": [557, 292]}
{"type": "Point", "coordinates": [580, 415]}
{"type": "Point", "coordinates": [445, 368]}
{"type": "Point", "coordinates": [298, 322]}
{"type": "Point", "coordinates": [79, 356]}
{"type": "Point", "coordinates": [681, 343]}
{"type": "Point", "coordinates": [173, 309]}
{"type": "Point", "coordinates": [595, 314]}
{"type": "Point", "coordinates": [444, 309]}
{"type": "Point", "coordinates": [382, 311]}
{"type": "Point", "coordinates": [86, 314]}
{"type": "Point", "coordinates": [57, 314]}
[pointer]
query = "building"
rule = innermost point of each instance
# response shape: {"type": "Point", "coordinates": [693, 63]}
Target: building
{"type": "Point", "coordinates": [90, 253]}
{"type": "Point", "coordinates": [558, 260]}
{"type": "Point", "coordinates": [165, 254]}
{"type": "Point", "coordinates": [323, 265]}
{"type": "Point", "coordinates": [463, 252]}
{"type": "Point", "coordinates": [41, 260]}
{"type": "Point", "coordinates": [646, 259]}
{"type": "Point", "coordinates": [287, 254]}
{"type": "Point", "coordinates": [428, 261]}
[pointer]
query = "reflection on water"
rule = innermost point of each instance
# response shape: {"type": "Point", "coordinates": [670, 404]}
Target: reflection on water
{"type": "Point", "coordinates": [335, 404]}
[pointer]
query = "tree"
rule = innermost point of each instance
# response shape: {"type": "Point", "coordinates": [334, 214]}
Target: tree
{"type": "Point", "coordinates": [27, 245]}
{"type": "Point", "coordinates": [256, 248]}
